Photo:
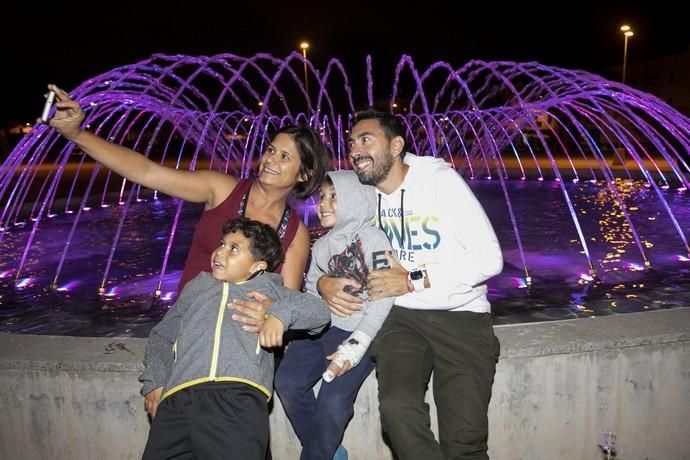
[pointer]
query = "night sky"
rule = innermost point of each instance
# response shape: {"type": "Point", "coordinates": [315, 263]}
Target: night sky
{"type": "Point", "coordinates": [72, 42]}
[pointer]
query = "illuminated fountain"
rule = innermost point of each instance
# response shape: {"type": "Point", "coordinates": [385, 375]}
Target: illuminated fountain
{"type": "Point", "coordinates": [584, 179]}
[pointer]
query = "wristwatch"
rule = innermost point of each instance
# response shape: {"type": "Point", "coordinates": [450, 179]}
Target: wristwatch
{"type": "Point", "coordinates": [416, 277]}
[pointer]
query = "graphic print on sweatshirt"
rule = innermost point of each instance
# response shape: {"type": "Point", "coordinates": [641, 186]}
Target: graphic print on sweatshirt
{"type": "Point", "coordinates": [421, 232]}
{"type": "Point", "coordinates": [350, 264]}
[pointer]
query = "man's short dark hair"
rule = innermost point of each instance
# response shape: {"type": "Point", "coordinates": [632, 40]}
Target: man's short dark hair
{"type": "Point", "coordinates": [391, 125]}
{"type": "Point", "coordinates": [264, 242]}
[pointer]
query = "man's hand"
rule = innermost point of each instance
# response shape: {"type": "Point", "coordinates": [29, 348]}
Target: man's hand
{"type": "Point", "coordinates": [387, 282]}
{"type": "Point", "coordinates": [253, 312]}
{"type": "Point", "coordinates": [152, 400]}
{"type": "Point", "coordinates": [339, 302]}
{"type": "Point", "coordinates": [271, 334]}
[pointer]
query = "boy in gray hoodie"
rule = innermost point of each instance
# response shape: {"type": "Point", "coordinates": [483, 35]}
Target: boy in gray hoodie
{"type": "Point", "coordinates": [351, 249]}
{"type": "Point", "coordinates": [213, 379]}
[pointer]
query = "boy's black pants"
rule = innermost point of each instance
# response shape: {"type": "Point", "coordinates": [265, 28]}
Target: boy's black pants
{"type": "Point", "coordinates": [210, 421]}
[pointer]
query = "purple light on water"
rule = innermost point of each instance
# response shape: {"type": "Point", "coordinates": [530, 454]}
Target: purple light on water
{"type": "Point", "coordinates": [168, 296]}
{"type": "Point", "coordinates": [519, 283]}
{"type": "Point", "coordinates": [682, 258]}
{"type": "Point", "coordinates": [69, 286]}
{"type": "Point", "coordinates": [6, 274]}
{"type": "Point", "coordinates": [635, 267]}
{"type": "Point", "coordinates": [24, 282]}
{"type": "Point", "coordinates": [112, 292]}
{"type": "Point", "coordinates": [586, 277]}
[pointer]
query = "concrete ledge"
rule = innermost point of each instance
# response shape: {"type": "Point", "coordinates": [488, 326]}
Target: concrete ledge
{"type": "Point", "coordinates": [558, 386]}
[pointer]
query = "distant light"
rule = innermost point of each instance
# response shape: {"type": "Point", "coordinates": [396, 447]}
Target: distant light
{"type": "Point", "coordinates": [679, 257]}
{"type": "Point", "coordinates": [168, 295]}
{"type": "Point", "coordinates": [304, 45]}
{"type": "Point", "coordinates": [6, 274]}
{"type": "Point", "coordinates": [625, 28]}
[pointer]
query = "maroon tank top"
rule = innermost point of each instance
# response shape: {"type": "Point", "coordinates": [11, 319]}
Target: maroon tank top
{"type": "Point", "coordinates": [209, 231]}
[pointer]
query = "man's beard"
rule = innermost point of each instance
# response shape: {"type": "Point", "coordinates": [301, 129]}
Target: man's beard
{"type": "Point", "coordinates": [377, 173]}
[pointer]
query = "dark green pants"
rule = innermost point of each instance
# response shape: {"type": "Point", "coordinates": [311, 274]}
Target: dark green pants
{"type": "Point", "coordinates": [461, 350]}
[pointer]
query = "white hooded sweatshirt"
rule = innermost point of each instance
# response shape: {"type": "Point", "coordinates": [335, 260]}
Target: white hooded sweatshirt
{"type": "Point", "coordinates": [446, 232]}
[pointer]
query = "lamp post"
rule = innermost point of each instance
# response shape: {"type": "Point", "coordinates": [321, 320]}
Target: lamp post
{"type": "Point", "coordinates": [627, 33]}
{"type": "Point", "coordinates": [304, 46]}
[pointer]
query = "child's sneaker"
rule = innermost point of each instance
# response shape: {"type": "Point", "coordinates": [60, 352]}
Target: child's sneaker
{"type": "Point", "coordinates": [340, 453]}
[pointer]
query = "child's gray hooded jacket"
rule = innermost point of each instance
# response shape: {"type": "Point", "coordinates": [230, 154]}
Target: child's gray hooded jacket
{"type": "Point", "coordinates": [351, 249]}
{"type": "Point", "coordinates": [197, 341]}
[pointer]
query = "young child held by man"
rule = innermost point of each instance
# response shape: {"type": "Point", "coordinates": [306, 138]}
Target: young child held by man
{"type": "Point", "coordinates": [352, 247]}
{"type": "Point", "coordinates": [213, 379]}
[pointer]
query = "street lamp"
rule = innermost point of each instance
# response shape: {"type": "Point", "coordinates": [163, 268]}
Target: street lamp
{"type": "Point", "coordinates": [627, 33]}
{"type": "Point", "coordinates": [304, 46]}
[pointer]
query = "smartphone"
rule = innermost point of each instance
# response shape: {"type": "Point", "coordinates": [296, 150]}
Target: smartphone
{"type": "Point", "coordinates": [50, 99]}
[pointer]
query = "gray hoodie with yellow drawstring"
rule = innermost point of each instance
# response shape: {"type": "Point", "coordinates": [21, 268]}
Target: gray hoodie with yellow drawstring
{"type": "Point", "coordinates": [197, 341]}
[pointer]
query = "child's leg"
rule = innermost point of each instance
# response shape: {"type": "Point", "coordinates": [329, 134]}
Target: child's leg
{"type": "Point", "coordinates": [228, 421]}
{"type": "Point", "coordinates": [169, 436]}
{"type": "Point", "coordinates": [334, 408]}
{"type": "Point", "coordinates": [300, 369]}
